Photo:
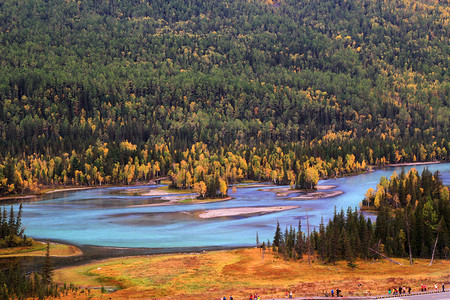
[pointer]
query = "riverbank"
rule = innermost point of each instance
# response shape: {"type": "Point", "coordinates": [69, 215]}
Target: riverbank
{"type": "Point", "coordinates": [415, 164]}
{"type": "Point", "coordinates": [39, 249]}
{"type": "Point", "coordinates": [171, 199]}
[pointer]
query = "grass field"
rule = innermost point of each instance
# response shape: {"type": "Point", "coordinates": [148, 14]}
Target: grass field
{"type": "Point", "coordinates": [39, 249]}
{"type": "Point", "coordinates": [211, 275]}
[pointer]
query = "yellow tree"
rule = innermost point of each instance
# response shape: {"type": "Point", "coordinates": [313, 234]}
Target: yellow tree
{"type": "Point", "coordinates": [223, 187]}
{"type": "Point", "coordinates": [312, 177]}
{"type": "Point", "coordinates": [200, 188]}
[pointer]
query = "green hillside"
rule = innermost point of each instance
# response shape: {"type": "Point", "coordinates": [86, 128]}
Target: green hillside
{"type": "Point", "coordinates": [95, 91]}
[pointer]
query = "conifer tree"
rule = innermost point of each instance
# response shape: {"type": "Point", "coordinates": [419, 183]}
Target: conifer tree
{"type": "Point", "coordinates": [278, 236]}
{"type": "Point", "coordinates": [47, 270]}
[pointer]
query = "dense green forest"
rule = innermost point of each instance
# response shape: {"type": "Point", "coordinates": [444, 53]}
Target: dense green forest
{"type": "Point", "coordinates": [413, 220]}
{"type": "Point", "coordinates": [97, 91]}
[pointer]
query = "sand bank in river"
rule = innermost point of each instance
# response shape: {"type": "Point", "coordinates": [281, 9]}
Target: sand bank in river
{"type": "Point", "coordinates": [318, 195]}
{"type": "Point", "coordinates": [286, 191]}
{"type": "Point", "coordinates": [157, 192]}
{"type": "Point", "coordinates": [241, 211]}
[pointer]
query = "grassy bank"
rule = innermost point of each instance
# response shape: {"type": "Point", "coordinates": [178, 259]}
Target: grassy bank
{"type": "Point", "coordinates": [39, 249]}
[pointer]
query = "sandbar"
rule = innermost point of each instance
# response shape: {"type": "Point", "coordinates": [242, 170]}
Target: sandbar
{"type": "Point", "coordinates": [317, 195]}
{"type": "Point", "coordinates": [240, 211]}
{"type": "Point", "coordinates": [156, 192]}
{"type": "Point", "coordinates": [286, 191]}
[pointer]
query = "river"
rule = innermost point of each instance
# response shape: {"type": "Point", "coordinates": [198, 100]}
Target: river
{"type": "Point", "coordinates": [110, 217]}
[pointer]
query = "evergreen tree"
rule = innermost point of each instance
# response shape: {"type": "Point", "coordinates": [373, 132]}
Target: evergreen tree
{"type": "Point", "coordinates": [47, 270]}
{"type": "Point", "coordinates": [278, 237]}
{"type": "Point", "coordinates": [18, 224]}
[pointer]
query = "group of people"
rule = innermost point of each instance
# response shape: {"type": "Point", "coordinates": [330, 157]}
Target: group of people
{"type": "Point", "coordinates": [254, 297]}
{"type": "Point", "coordinates": [423, 287]}
{"type": "Point", "coordinates": [400, 290]}
{"type": "Point", "coordinates": [225, 298]}
{"type": "Point", "coordinates": [403, 290]}
{"type": "Point", "coordinates": [334, 293]}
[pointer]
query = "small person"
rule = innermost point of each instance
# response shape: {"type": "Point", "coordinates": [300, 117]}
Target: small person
{"type": "Point", "coordinates": [332, 293]}
{"type": "Point", "coordinates": [389, 291]}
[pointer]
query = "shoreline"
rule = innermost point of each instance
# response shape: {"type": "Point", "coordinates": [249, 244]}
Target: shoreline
{"type": "Point", "coordinates": [415, 164]}
{"type": "Point", "coordinates": [53, 190]}
{"type": "Point", "coordinates": [174, 199]}
{"type": "Point", "coordinates": [59, 250]}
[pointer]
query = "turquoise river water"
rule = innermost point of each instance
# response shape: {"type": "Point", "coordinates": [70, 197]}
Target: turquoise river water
{"type": "Point", "coordinates": [110, 217]}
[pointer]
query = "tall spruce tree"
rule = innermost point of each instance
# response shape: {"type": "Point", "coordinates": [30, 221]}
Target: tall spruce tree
{"type": "Point", "coordinates": [47, 270]}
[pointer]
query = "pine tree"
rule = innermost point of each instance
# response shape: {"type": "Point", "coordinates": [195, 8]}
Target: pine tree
{"type": "Point", "coordinates": [278, 236]}
{"type": "Point", "coordinates": [349, 256]}
{"type": "Point", "coordinates": [299, 241]}
{"type": "Point", "coordinates": [321, 244]}
{"type": "Point", "coordinates": [11, 222]}
{"type": "Point", "coordinates": [47, 270]}
{"type": "Point", "coordinates": [18, 225]}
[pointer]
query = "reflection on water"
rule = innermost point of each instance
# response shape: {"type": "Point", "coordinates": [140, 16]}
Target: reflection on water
{"type": "Point", "coordinates": [121, 217]}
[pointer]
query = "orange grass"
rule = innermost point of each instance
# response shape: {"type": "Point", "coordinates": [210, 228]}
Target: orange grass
{"type": "Point", "coordinates": [39, 249]}
{"type": "Point", "coordinates": [240, 272]}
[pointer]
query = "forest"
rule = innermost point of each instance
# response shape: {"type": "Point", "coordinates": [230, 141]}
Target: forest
{"type": "Point", "coordinates": [413, 220]}
{"type": "Point", "coordinates": [14, 282]}
{"type": "Point", "coordinates": [99, 92]}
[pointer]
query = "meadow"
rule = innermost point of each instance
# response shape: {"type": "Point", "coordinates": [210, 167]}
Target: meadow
{"type": "Point", "coordinates": [241, 272]}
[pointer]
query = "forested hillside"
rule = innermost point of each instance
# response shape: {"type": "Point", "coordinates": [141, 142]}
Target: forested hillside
{"type": "Point", "coordinates": [118, 91]}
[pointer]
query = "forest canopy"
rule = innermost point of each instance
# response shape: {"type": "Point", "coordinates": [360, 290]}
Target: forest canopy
{"type": "Point", "coordinates": [97, 91]}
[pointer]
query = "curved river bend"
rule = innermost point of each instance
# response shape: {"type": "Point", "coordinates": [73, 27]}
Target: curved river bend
{"type": "Point", "coordinates": [110, 217]}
